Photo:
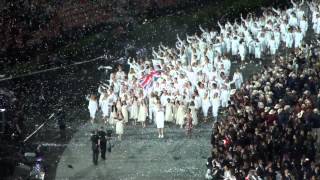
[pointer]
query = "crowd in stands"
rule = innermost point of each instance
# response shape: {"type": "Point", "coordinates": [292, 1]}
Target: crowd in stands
{"type": "Point", "coordinates": [28, 22]}
{"type": "Point", "coordinates": [272, 125]}
{"type": "Point", "coordinates": [271, 130]}
{"type": "Point", "coordinates": [24, 23]}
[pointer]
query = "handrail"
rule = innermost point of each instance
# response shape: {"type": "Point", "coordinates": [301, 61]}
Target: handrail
{"type": "Point", "coordinates": [51, 69]}
{"type": "Point", "coordinates": [34, 132]}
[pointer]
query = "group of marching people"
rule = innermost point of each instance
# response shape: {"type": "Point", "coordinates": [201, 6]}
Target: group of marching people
{"type": "Point", "coordinates": [183, 82]}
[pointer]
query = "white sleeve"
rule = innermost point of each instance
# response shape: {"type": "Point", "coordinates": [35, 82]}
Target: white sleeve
{"type": "Point", "coordinates": [302, 2]}
{"type": "Point", "coordinates": [99, 90]}
{"type": "Point", "coordinates": [294, 4]}
{"type": "Point", "coordinates": [202, 30]}
{"type": "Point", "coordinates": [276, 11]}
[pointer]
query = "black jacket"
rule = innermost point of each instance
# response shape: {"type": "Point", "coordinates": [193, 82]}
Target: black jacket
{"type": "Point", "coordinates": [95, 142]}
{"type": "Point", "coordinates": [102, 136]}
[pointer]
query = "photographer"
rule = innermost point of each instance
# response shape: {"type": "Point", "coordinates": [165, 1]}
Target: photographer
{"type": "Point", "coordinates": [95, 146]}
{"type": "Point", "coordinates": [103, 142]}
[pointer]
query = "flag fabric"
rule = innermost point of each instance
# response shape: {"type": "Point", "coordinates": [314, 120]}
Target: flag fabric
{"type": "Point", "coordinates": [147, 81]}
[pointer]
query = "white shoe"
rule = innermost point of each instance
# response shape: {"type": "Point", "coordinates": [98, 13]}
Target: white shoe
{"type": "Point", "coordinates": [159, 136]}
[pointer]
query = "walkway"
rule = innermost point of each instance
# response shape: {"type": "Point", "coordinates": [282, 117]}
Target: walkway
{"type": "Point", "coordinates": [140, 155]}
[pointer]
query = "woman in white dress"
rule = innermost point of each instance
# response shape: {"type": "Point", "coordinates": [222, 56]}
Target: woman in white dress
{"type": "Point", "coordinates": [119, 125]}
{"type": "Point", "coordinates": [159, 119]}
{"type": "Point", "coordinates": [113, 115]}
{"type": "Point", "coordinates": [119, 105]}
{"type": "Point", "coordinates": [131, 74]}
{"type": "Point", "coordinates": [234, 46]}
{"type": "Point", "coordinates": [224, 96]}
{"type": "Point", "coordinates": [124, 111]}
{"type": "Point", "coordinates": [242, 52]}
{"type": "Point", "coordinates": [215, 101]}
{"type": "Point", "coordinates": [303, 25]}
{"type": "Point", "coordinates": [142, 115]}
{"type": "Point", "coordinates": [257, 50]}
{"type": "Point", "coordinates": [169, 111]}
{"type": "Point", "coordinates": [289, 39]}
{"type": "Point", "coordinates": [152, 104]}
{"type": "Point", "coordinates": [194, 113]}
{"type": "Point", "coordinates": [237, 79]}
{"type": "Point", "coordinates": [175, 110]}
{"type": "Point", "coordinates": [205, 106]}
{"type": "Point", "coordinates": [272, 47]}
{"type": "Point", "coordinates": [134, 110]}
{"type": "Point", "coordinates": [104, 105]}
{"type": "Point", "coordinates": [180, 114]}
{"type": "Point", "coordinates": [93, 106]}
{"type": "Point", "coordinates": [298, 37]}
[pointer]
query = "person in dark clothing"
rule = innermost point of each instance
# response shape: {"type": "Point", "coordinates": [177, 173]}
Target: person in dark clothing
{"type": "Point", "coordinates": [315, 118]}
{"type": "Point", "coordinates": [38, 152]}
{"type": "Point", "coordinates": [103, 142]}
{"type": "Point", "coordinates": [109, 135]}
{"type": "Point", "coordinates": [95, 147]}
{"type": "Point", "coordinates": [61, 123]}
{"type": "Point", "coordinates": [318, 101]}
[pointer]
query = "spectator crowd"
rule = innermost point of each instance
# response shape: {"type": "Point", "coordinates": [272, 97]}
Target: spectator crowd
{"type": "Point", "coordinates": [271, 127]}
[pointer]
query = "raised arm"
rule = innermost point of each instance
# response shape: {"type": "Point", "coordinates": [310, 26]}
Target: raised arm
{"type": "Point", "coordinates": [105, 67]}
{"type": "Point", "coordinates": [235, 23]}
{"type": "Point", "coordinates": [100, 90]}
{"type": "Point", "coordinates": [189, 39]}
{"type": "Point", "coordinates": [310, 6]}
{"type": "Point", "coordinates": [179, 39]}
{"type": "Point", "coordinates": [128, 62]}
{"type": "Point", "coordinates": [155, 66]}
{"type": "Point", "coordinates": [131, 64]}
{"type": "Point", "coordinates": [294, 4]}
{"type": "Point", "coordinates": [241, 17]}
{"type": "Point", "coordinates": [276, 11]}
{"type": "Point", "coordinates": [301, 4]}
{"type": "Point", "coordinates": [220, 26]}
{"type": "Point", "coordinates": [154, 53]}
{"type": "Point", "coordinates": [202, 30]}
{"type": "Point", "coordinates": [245, 21]}
{"type": "Point", "coordinates": [179, 45]}
{"type": "Point", "coordinates": [134, 65]}
{"type": "Point", "coordinates": [163, 47]}
{"type": "Point", "coordinates": [198, 38]}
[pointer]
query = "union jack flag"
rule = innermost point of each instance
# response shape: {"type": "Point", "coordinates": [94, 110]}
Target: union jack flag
{"type": "Point", "coordinates": [147, 81]}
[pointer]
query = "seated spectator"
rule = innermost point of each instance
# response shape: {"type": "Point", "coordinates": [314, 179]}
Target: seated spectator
{"type": "Point", "coordinates": [274, 132]}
